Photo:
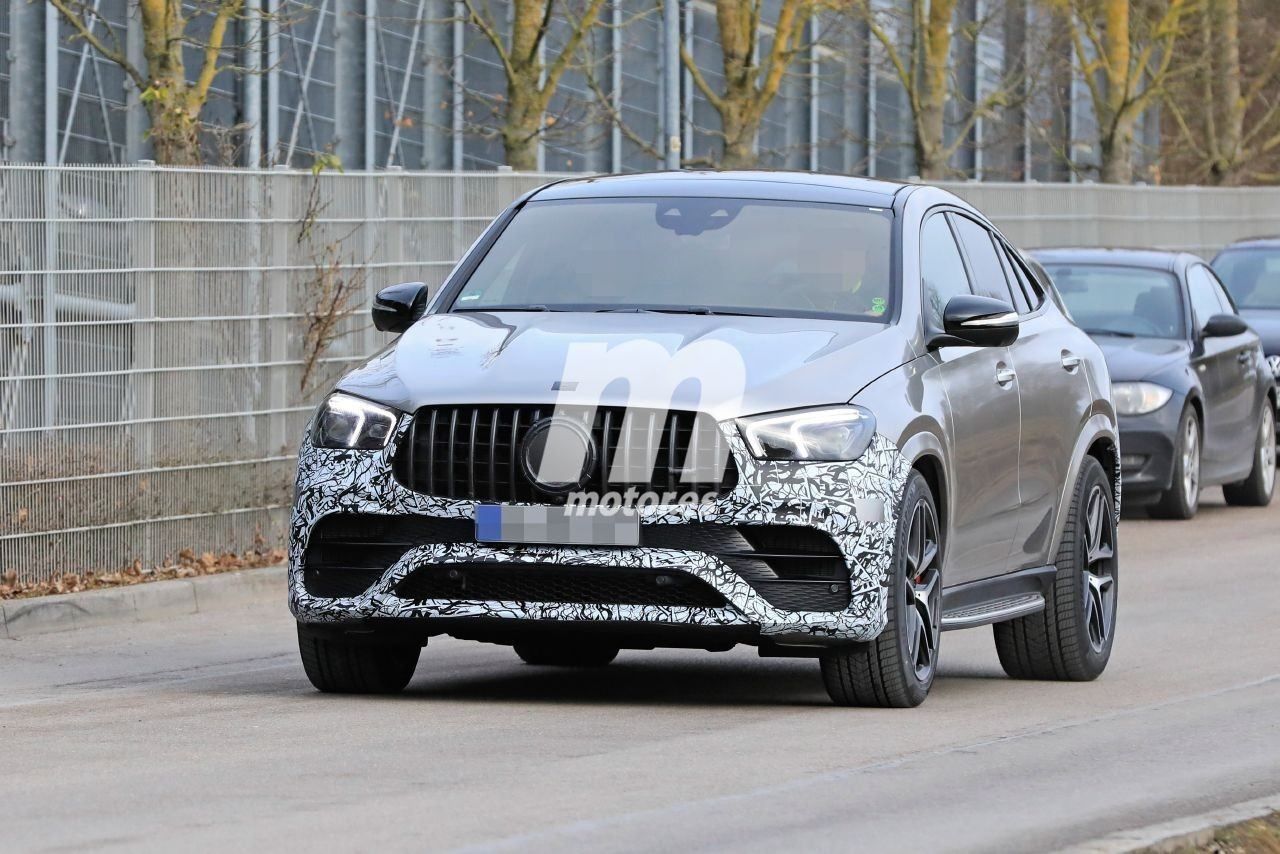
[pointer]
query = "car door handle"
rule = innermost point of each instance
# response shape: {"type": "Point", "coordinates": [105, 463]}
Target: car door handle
{"type": "Point", "coordinates": [1005, 376]}
{"type": "Point", "coordinates": [1244, 358]}
{"type": "Point", "coordinates": [1070, 361]}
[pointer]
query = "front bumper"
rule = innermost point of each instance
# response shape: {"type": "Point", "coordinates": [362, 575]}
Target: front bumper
{"type": "Point", "coordinates": [854, 503]}
{"type": "Point", "coordinates": [1148, 445]}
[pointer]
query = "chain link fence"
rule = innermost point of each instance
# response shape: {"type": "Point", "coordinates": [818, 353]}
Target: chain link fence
{"type": "Point", "coordinates": [164, 333]}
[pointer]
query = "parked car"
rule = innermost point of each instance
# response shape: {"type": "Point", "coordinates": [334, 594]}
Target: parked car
{"type": "Point", "coordinates": [825, 416]}
{"type": "Point", "coordinates": [1195, 394]}
{"type": "Point", "coordinates": [1250, 269]}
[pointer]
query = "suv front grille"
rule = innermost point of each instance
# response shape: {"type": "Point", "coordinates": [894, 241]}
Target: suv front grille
{"type": "Point", "coordinates": [590, 585]}
{"type": "Point", "coordinates": [795, 568]}
{"type": "Point", "coordinates": [472, 452]}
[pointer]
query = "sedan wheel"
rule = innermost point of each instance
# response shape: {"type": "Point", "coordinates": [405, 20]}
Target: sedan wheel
{"type": "Point", "coordinates": [1182, 499]}
{"type": "Point", "coordinates": [1256, 490]}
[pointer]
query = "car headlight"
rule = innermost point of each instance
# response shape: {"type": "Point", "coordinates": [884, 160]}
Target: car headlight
{"type": "Point", "coordinates": [821, 435]}
{"type": "Point", "coordinates": [1139, 398]}
{"type": "Point", "coordinates": [352, 423]}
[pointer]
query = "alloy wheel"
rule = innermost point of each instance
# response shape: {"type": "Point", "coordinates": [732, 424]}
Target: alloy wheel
{"type": "Point", "coordinates": [1099, 568]}
{"type": "Point", "coordinates": [1267, 452]}
{"type": "Point", "coordinates": [923, 591]}
{"type": "Point", "coordinates": [1191, 463]}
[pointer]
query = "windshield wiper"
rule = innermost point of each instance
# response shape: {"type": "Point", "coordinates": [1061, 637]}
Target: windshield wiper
{"type": "Point", "coordinates": [1119, 333]}
{"type": "Point", "coordinates": [693, 309]}
{"type": "Point", "coordinates": [506, 308]}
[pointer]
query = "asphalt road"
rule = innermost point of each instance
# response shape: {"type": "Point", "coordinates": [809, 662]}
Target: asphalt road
{"type": "Point", "coordinates": [203, 733]}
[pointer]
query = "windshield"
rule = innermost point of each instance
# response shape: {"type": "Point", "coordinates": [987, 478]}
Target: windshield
{"type": "Point", "coordinates": [1252, 276]}
{"type": "Point", "coordinates": [1113, 300]}
{"type": "Point", "coordinates": [703, 255]}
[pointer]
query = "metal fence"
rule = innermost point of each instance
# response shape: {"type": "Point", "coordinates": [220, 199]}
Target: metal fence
{"type": "Point", "coordinates": [164, 333]}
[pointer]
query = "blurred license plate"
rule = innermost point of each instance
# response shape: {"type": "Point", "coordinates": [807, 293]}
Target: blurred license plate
{"type": "Point", "coordinates": [502, 523]}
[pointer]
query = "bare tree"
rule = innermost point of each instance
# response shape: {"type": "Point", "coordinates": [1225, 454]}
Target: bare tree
{"type": "Point", "coordinates": [1226, 111]}
{"type": "Point", "coordinates": [173, 95]}
{"type": "Point", "coordinates": [918, 39]}
{"type": "Point", "coordinates": [1125, 52]}
{"type": "Point", "coordinates": [532, 77]}
{"type": "Point", "coordinates": [752, 77]}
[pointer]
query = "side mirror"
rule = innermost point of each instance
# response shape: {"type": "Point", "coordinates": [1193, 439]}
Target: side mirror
{"type": "Point", "coordinates": [1224, 326]}
{"type": "Point", "coordinates": [395, 307]}
{"type": "Point", "coordinates": [974, 321]}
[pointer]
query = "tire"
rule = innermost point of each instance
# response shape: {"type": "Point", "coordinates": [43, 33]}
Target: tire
{"type": "Point", "coordinates": [341, 665]}
{"type": "Point", "coordinates": [1256, 489]}
{"type": "Point", "coordinates": [1071, 639]}
{"type": "Point", "coordinates": [1182, 499]}
{"type": "Point", "coordinates": [896, 670]}
{"type": "Point", "coordinates": [565, 653]}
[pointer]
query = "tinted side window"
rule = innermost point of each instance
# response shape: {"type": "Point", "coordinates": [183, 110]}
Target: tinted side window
{"type": "Point", "coordinates": [941, 268]}
{"type": "Point", "coordinates": [1029, 283]}
{"type": "Point", "coordinates": [1020, 301]}
{"type": "Point", "coordinates": [1228, 307]}
{"type": "Point", "coordinates": [1204, 295]}
{"type": "Point", "coordinates": [988, 274]}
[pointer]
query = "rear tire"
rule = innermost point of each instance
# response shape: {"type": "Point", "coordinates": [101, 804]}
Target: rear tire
{"type": "Point", "coordinates": [563, 653]}
{"type": "Point", "coordinates": [1071, 639]}
{"type": "Point", "coordinates": [1256, 490]}
{"type": "Point", "coordinates": [343, 665]}
{"type": "Point", "coordinates": [896, 670]}
{"type": "Point", "coordinates": [1182, 499]}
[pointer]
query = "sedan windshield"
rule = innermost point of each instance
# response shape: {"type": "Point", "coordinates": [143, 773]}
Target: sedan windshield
{"type": "Point", "coordinates": [1252, 276]}
{"type": "Point", "coordinates": [695, 255]}
{"type": "Point", "coordinates": [1115, 300]}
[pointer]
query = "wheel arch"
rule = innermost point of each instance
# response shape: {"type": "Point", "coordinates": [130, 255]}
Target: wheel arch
{"type": "Point", "coordinates": [1099, 437]}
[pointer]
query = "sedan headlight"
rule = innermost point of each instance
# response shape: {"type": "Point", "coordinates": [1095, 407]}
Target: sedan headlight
{"type": "Point", "coordinates": [352, 423]}
{"type": "Point", "coordinates": [821, 435]}
{"type": "Point", "coordinates": [1139, 398]}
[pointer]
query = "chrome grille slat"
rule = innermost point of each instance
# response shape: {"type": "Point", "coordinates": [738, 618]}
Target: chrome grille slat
{"type": "Point", "coordinates": [454, 452]}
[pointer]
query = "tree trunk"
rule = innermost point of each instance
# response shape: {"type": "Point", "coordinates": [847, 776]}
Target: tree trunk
{"type": "Point", "coordinates": [174, 135]}
{"type": "Point", "coordinates": [1224, 33]}
{"type": "Point", "coordinates": [1117, 153]}
{"type": "Point", "coordinates": [929, 142]}
{"type": "Point", "coordinates": [522, 123]}
{"type": "Point", "coordinates": [740, 131]}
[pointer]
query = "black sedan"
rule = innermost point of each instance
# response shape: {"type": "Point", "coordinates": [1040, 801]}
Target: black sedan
{"type": "Point", "coordinates": [1190, 381]}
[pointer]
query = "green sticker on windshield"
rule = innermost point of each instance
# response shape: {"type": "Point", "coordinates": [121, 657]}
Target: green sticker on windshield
{"type": "Point", "coordinates": [879, 305]}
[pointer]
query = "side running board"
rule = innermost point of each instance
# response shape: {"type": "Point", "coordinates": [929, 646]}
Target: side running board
{"type": "Point", "coordinates": [994, 600]}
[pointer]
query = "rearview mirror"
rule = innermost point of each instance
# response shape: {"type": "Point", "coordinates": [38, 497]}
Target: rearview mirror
{"type": "Point", "coordinates": [974, 321]}
{"type": "Point", "coordinates": [1224, 326]}
{"type": "Point", "coordinates": [395, 307]}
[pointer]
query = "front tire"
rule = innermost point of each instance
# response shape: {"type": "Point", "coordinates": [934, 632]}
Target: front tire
{"type": "Point", "coordinates": [1071, 639]}
{"type": "Point", "coordinates": [1182, 499]}
{"type": "Point", "coordinates": [1256, 490]}
{"type": "Point", "coordinates": [896, 670]}
{"type": "Point", "coordinates": [337, 664]}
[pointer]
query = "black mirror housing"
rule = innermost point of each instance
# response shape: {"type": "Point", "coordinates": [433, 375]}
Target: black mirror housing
{"type": "Point", "coordinates": [973, 321]}
{"type": "Point", "coordinates": [396, 307]}
{"type": "Point", "coordinates": [1224, 326]}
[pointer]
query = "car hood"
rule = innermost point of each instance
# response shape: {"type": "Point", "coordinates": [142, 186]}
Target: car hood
{"type": "Point", "coordinates": [531, 357]}
{"type": "Point", "coordinates": [1130, 359]}
{"type": "Point", "coordinates": [1266, 322]}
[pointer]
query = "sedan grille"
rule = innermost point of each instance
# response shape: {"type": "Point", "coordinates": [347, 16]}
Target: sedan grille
{"type": "Point", "coordinates": [473, 452]}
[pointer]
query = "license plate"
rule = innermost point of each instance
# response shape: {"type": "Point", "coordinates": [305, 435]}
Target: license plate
{"type": "Point", "coordinates": [503, 523]}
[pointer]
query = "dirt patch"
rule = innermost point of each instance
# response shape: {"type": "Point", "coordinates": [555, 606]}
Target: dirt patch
{"type": "Point", "coordinates": [188, 565]}
{"type": "Point", "coordinates": [1259, 836]}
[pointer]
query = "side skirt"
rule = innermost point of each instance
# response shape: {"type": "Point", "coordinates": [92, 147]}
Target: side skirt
{"type": "Point", "coordinates": [994, 600]}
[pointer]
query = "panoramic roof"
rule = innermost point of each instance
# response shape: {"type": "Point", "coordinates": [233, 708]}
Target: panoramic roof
{"type": "Point", "coordinates": [789, 186]}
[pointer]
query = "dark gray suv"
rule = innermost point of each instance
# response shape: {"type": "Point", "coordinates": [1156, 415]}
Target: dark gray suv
{"type": "Point", "coordinates": [828, 417]}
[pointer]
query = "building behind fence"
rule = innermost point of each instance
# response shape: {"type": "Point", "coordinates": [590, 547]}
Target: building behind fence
{"type": "Point", "coordinates": [164, 333]}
